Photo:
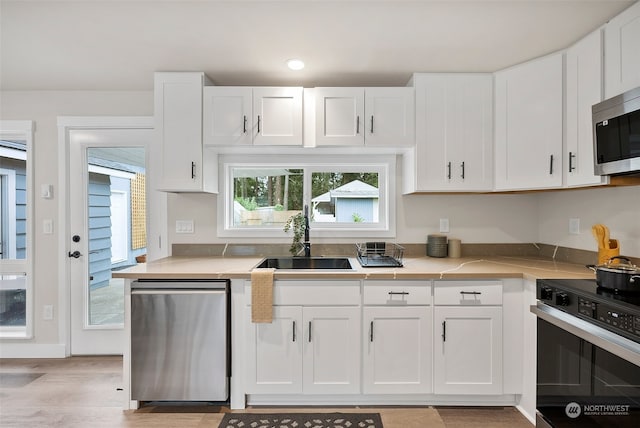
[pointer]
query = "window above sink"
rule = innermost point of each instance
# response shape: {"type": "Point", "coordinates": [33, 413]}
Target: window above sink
{"type": "Point", "coordinates": [351, 196]}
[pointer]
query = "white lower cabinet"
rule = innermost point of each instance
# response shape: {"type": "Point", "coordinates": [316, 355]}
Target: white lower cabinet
{"type": "Point", "coordinates": [331, 350]}
{"type": "Point", "coordinates": [310, 350]}
{"type": "Point", "coordinates": [274, 359]}
{"type": "Point", "coordinates": [397, 350]}
{"type": "Point", "coordinates": [467, 338]}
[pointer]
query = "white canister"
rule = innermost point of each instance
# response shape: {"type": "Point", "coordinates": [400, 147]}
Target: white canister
{"type": "Point", "coordinates": [455, 250]}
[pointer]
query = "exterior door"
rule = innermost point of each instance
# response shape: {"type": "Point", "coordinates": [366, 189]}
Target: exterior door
{"type": "Point", "coordinates": [105, 166]}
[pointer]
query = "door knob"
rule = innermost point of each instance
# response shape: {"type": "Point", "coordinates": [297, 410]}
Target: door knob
{"type": "Point", "coordinates": [76, 254]}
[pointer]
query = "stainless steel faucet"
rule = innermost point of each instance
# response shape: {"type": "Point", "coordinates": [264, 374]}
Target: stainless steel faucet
{"type": "Point", "coordinates": [307, 242]}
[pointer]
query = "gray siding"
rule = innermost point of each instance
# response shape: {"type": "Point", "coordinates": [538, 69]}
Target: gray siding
{"type": "Point", "coordinates": [345, 208]}
{"type": "Point", "coordinates": [99, 230]}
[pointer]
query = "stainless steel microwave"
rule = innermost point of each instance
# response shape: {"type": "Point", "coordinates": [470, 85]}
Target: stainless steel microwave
{"type": "Point", "coordinates": [616, 134]}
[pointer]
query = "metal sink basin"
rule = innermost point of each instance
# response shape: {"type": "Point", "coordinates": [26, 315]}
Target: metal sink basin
{"type": "Point", "coordinates": [306, 263]}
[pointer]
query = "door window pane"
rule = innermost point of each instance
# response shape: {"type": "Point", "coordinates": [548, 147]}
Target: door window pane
{"type": "Point", "coordinates": [13, 301]}
{"type": "Point", "coordinates": [115, 201]}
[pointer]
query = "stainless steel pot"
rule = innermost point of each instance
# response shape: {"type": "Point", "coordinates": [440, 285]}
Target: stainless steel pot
{"type": "Point", "coordinates": [618, 276]}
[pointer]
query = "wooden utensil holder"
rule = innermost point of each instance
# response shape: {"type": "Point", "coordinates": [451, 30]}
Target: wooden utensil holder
{"type": "Point", "coordinates": [604, 254]}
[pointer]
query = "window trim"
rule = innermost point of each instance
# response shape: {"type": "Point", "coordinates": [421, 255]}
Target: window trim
{"type": "Point", "coordinates": [22, 130]}
{"type": "Point", "coordinates": [384, 165]}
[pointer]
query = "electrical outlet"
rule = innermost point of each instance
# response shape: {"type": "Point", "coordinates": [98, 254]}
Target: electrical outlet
{"type": "Point", "coordinates": [444, 225]}
{"type": "Point", "coordinates": [47, 312]}
{"type": "Point", "coordinates": [184, 226]}
{"type": "Point", "coordinates": [574, 226]}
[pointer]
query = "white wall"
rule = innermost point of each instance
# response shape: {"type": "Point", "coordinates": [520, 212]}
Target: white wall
{"type": "Point", "coordinates": [617, 207]}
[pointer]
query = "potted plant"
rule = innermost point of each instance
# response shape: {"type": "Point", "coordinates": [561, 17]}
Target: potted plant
{"type": "Point", "coordinates": [296, 224]}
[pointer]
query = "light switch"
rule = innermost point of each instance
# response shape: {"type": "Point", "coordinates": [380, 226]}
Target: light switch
{"type": "Point", "coordinates": [184, 226]}
{"type": "Point", "coordinates": [574, 226]}
{"type": "Point", "coordinates": [46, 191]}
{"type": "Point", "coordinates": [47, 226]}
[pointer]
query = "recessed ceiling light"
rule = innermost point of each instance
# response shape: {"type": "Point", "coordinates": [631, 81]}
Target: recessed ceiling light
{"type": "Point", "coordinates": [295, 64]}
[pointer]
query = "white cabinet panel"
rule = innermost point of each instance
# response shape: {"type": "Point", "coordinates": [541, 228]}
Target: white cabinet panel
{"type": "Point", "coordinates": [237, 115]}
{"type": "Point", "coordinates": [331, 350]}
{"type": "Point", "coordinates": [528, 125]}
{"type": "Point", "coordinates": [397, 350]}
{"type": "Point", "coordinates": [381, 117]}
{"type": "Point", "coordinates": [274, 352]}
{"type": "Point", "coordinates": [339, 116]}
{"type": "Point", "coordinates": [468, 293]}
{"type": "Point", "coordinates": [583, 89]}
{"type": "Point", "coordinates": [389, 117]}
{"type": "Point", "coordinates": [227, 113]}
{"type": "Point", "coordinates": [454, 132]}
{"type": "Point", "coordinates": [277, 116]}
{"type": "Point", "coordinates": [622, 52]}
{"type": "Point", "coordinates": [468, 351]}
{"type": "Point", "coordinates": [178, 126]}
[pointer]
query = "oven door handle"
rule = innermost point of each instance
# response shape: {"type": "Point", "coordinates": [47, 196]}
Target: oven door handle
{"type": "Point", "coordinates": [598, 336]}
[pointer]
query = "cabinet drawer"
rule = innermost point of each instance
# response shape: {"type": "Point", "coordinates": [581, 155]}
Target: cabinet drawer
{"type": "Point", "coordinates": [315, 293]}
{"type": "Point", "coordinates": [467, 293]}
{"type": "Point", "coordinates": [397, 293]}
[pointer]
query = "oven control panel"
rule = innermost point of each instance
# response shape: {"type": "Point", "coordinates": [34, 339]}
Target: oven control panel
{"type": "Point", "coordinates": [618, 319]}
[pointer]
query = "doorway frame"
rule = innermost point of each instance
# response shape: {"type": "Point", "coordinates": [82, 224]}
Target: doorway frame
{"type": "Point", "coordinates": [156, 228]}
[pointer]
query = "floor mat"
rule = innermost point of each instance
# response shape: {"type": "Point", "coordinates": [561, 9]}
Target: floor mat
{"type": "Point", "coordinates": [301, 420]}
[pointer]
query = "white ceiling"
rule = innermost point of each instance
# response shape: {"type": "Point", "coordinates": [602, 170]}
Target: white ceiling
{"type": "Point", "coordinates": [117, 45]}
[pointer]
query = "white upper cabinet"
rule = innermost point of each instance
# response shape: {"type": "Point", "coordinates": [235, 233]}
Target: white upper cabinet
{"type": "Point", "coordinates": [236, 115]}
{"type": "Point", "coordinates": [528, 125]}
{"type": "Point", "coordinates": [583, 89]}
{"type": "Point", "coordinates": [454, 132]}
{"type": "Point", "coordinates": [622, 52]}
{"type": "Point", "coordinates": [227, 115]}
{"type": "Point", "coordinates": [185, 167]}
{"type": "Point", "coordinates": [389, 116]}
{"type": "Point", "coordinates": [381, 117]}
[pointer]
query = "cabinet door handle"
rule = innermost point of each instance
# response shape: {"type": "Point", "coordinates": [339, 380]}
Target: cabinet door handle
{"type": "Point", "coordinates": [372, 124]}
{"type": "Point", "coordinates": [571, 156]}
{"type": "Point", "coordinates": [551, 165]}
{"type": "Point", "coordinates": [402, 293]}
{"type": "Point", "coordinates": [371, 332]}
{"type": "Point", "coordinates": [309, 331]}
{"type": "Point", "coordinates": [193, 170]}
{"type": "Point", "coordinates": [258, 124]}
{"type": "Point", "coordinates": [244, 124]}
{"type": "Point", "coordinates": [444, 331]}
{"type": "Point", "coordinates": [462, 166]}
{"type": "Point", "coordinates": [449, 171]}
{"type": "Point", "coordinates": [294, 331]}
{"type": "Point", "coordinates": [473, 293]}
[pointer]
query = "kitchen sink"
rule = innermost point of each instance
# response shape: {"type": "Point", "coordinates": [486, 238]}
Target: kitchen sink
{"type": "Point", "coordinates": [306, 263]}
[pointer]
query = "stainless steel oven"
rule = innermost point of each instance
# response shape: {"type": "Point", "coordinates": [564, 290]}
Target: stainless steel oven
{"type": "Point", "coordinates": [588, 356]}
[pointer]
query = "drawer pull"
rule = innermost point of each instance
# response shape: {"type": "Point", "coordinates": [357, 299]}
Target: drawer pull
{"type": "Point", "coordinates": [473, 293]}
{"type": "Point", "coordinates": [402, 293]}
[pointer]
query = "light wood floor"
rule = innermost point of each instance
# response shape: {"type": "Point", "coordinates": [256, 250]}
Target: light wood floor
{"type": "Point", "coordinates": [84, 392]}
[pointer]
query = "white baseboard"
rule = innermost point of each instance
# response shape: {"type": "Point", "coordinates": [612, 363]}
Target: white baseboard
{"type": "Point", "coordinates": [32, 350]}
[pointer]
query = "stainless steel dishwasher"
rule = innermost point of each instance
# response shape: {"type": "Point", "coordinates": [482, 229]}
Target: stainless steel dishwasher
{"type": "Point", "coordinates": [180, 336]}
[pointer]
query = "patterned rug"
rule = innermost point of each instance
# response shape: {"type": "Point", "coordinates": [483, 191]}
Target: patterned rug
{"type": "Point", "coordinates": [301, 420]}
